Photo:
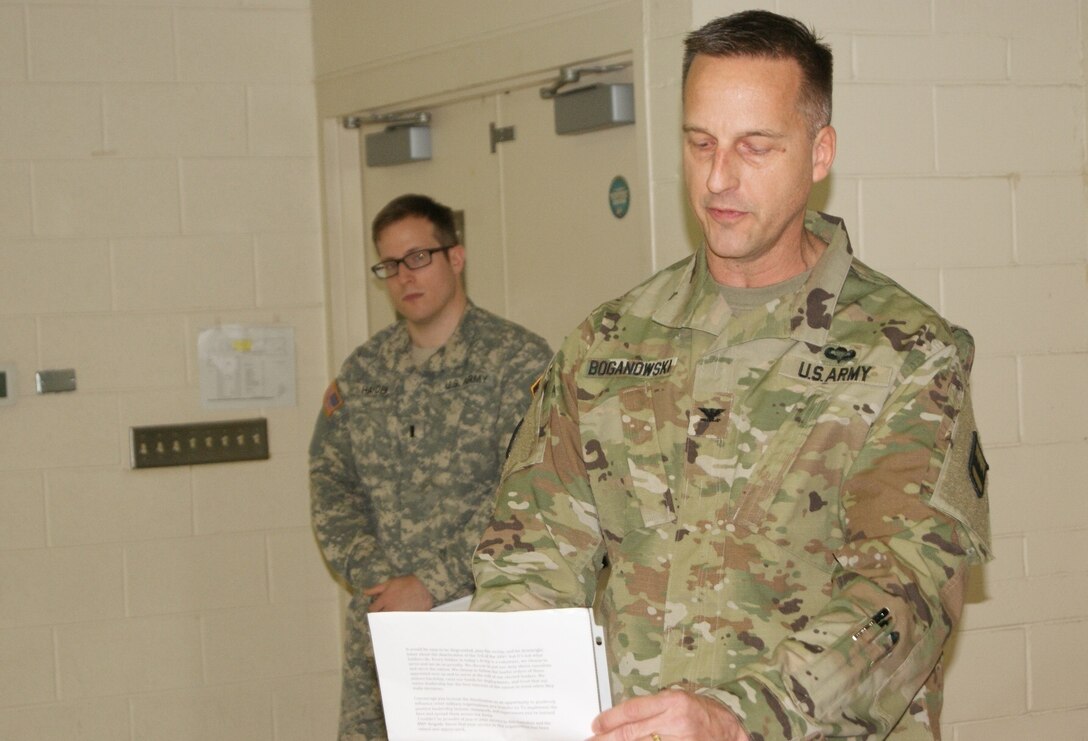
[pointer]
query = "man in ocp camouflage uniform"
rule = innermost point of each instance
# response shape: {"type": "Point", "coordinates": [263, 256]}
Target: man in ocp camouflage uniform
{"type": "Point", "coordinates": [769, 446]}
{"type": "Point", "coordinates": [408, 445]}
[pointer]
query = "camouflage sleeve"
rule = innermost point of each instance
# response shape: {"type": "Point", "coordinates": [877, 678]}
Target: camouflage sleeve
{"type": "Point", "coordinates": [447, 572]}
{"type": "Point", "coordinates": [543, 546]}
{"type": "Point", "coordinates": [341, 510]}
{"type": "Point", "coordinates": [914, 517]}
{"type": "Point", "coordinates": [525, 373]}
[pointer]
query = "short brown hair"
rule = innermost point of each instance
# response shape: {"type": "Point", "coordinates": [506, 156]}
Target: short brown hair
{"type": "Point", "coordinates": [425, 207]}
{"type": "Point", "coordinates": [761, 33]}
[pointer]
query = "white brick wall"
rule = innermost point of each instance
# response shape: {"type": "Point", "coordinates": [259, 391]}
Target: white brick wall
{"type": "Point", "coordinates": [158, 175]}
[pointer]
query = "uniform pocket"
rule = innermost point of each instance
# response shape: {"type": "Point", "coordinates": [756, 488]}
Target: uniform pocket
{"type": "Point", "coordinates": [623, 457]}
{"type": "Point", "coordinates": [833, 672]}
{"type": "Point", "coordinates": [776, 456]}
{"type": "Point", "coordinates": [644, 411]}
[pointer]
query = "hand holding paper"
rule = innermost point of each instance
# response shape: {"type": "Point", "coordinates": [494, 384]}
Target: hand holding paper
{"type": "Point", "coordinates": [673, 713]}
{"type": "Point", "coordinates": [399, 593]}
{"type": "Point", "coordinates": [482, 676]}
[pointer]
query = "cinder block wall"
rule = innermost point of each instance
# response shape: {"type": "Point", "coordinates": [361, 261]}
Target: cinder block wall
{"type": "Point", "coordinates": [158, 175]}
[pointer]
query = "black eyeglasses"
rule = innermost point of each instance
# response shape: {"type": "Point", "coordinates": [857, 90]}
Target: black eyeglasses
{"type": "Point", "coordinates": [414, 260]}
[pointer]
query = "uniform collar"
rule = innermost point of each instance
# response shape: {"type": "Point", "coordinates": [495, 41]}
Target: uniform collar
{"type": "Point", "coordinates": [696, 303]}
{"type": "Point", "coordinates": [453, 354]}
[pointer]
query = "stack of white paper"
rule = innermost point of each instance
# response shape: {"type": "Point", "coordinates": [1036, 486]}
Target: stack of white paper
{"type": "Point", "coordinates": [478, 676]}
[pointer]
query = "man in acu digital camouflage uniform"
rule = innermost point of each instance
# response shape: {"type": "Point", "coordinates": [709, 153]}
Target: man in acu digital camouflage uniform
{"type": "Point", "coordinates": [410, 440]}
{"type": "Point", "coordinates": [769, 444]}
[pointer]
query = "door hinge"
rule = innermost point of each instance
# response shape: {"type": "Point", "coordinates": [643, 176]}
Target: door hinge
{"type": "Point", "coordinates": [498, 135]}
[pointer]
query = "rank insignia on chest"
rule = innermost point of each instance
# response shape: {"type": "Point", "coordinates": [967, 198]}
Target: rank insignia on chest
{"type": "Point", "coordinates": [711, 422]}
{"type": "Point", "coordinates": [333, 400]}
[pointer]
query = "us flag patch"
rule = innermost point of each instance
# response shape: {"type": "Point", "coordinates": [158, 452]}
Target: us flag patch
{"type": "Point", "coordinates": [333, 400]}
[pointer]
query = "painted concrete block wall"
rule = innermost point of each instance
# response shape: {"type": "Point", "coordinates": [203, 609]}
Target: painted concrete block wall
{"type": "Point", "coordinates": [158, 176]}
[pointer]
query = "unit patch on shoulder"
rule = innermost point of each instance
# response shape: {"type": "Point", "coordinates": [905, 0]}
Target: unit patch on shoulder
{"type": "Point", "coordinates": [977, 467]}
{"type": "Point", "coordinates": [960, 489]}
{"type": "Point", "coordinates": [333, 400]}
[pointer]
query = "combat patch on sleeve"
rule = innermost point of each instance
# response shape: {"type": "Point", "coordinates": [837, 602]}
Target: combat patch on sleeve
{"type": "Point", "coordinates": [333, 400]}
{"type": "Point", "coordinates": [526, 447]}
{"type": "Point", "coordinates": [977, 466]}
{"type": "Point", "coordinates": [960, 491]}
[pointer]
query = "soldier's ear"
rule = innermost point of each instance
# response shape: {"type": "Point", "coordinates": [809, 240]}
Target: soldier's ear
{"type": "Point", "coordinates": [823, 153]}
{"type": "Point", "coordinates": [457, 257]}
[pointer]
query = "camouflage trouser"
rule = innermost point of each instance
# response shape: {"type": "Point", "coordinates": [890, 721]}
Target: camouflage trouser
{"type": "Point", "coordinates": [361, 716]}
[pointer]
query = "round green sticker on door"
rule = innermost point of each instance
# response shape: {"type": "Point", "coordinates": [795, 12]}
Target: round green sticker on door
{"type": "Point", "coordinates": [619, 196]}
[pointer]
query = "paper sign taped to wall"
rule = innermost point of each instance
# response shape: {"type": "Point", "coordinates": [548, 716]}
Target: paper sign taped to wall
{"type": "Point", "coordinates": [244, 366]}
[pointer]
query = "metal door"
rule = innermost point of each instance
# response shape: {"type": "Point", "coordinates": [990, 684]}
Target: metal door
{"type": "Point", "coordinates": [543, 244]}
{"type": "Point", "coordinates": [568, 251]}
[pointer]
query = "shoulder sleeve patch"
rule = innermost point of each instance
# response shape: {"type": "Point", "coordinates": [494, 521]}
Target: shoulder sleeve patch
{"type": "Point", "coordinates": [961, 487]}
{"type": "Point", "coordinates": [333, 400]}
{"type": "Point", "coordinates": [527, 445]}
{"type": "Point", "coordinates": [977, 466]}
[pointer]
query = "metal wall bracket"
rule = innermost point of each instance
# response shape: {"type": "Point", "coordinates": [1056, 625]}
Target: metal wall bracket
{"type": "Point", "coordinates": [499, 135]}
{"type": "Point", "coordinates": [400, 118]}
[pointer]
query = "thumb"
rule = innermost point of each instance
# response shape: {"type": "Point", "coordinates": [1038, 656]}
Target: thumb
{"type": "Point", "coordinates": [376, 589]}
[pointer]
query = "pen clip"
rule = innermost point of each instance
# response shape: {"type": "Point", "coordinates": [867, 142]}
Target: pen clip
{"type": "Point", "coordinates": [879, 619]}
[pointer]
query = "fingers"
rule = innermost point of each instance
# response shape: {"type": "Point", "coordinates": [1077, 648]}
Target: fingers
{"type": "Point", "coordinates": [631, 711]}
{"type": "Point", "coordinates": [670, 715]}
{"type": "Point", "coordinates": [399, 593]}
